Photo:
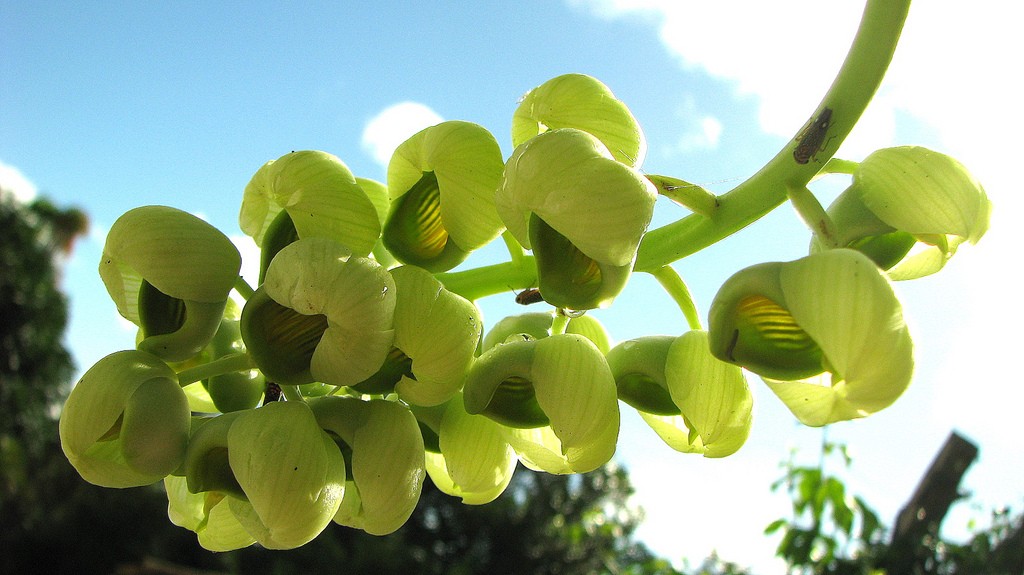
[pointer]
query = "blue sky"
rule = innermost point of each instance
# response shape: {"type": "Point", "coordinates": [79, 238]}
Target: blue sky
{"type": "Point", "coordinates": [110, 105]}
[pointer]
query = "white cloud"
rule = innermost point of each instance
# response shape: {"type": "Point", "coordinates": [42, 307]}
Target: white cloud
{"type": "Point", "coordinates": [14, 182]}
{"type": "Point", "coordinates": [250, 252]}
{"type": "Point", "coordinates": [705, 135]}
{"type": "Point", "coordinates": [393, 125]}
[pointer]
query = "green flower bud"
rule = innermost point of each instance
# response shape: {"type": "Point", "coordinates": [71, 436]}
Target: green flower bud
{"type": "Point", "coordinates": [319, 194]}
{"type": "Point", "coordinates": [126, 422]}
{"type": "Point", "coordinates": [582, 102]}
{"type": "Point", "coordinates": [207, 514]}
{"type": "Point", "coordinates": [473, 460]}
{"type": "Point", "coordinates": [442, 183]}
{"type": "Point", "coordinates": [830, 354]}
{"type": "Point", "coordinates": [557, 395]}
{"type": "Point", "coordinates": [582, 213]}
{"type": "Point", "coordinates": [169, 273]}
{"type": "Point", "coordinates": [282, 476]}
{"type": "Point", "coordinates": [386, 460]}
{"type": "Point", "coordinates": [321, 315]}
{"type": "Point", "coordinates": [537, 325]}
{"type": "Point", "coordinates": [909, 208]}
{"type": "Point", "coordinates": [438, 331]}
{"type": "Point", "coordinates": [693, 401]}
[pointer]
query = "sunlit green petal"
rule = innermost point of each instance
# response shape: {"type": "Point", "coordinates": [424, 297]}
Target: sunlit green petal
{"type": "Point", "coordinates": [570, 180]}
{"type": "Point", "coordinates": [179, 254]}
{"type": "Point", "coordinates": [126, 422]}
{"type": "Point", "coordinates": [751, 327]}
{"type": "Point", "coordinates": [207, 514]}
{"type": "Point", "coordinates": [500, 385]}
{"type": "Point", "coordinates": [535, 325]}
{"type": "Point", "coordinates": [638, 366]}
{"type": "Point", "coordinates": [923, 192]}
{"type": "Point", "coordinates": [673, 430]}
{"type": "Point", "coordinates": [569, 278]}
{"type": "Point", "coordinates": [589, 327]}
{"type": "Point", "coordinates": [292, 474]}
{"type": "Point", "coordinates": [356, 296]}
{"type": "Point", "coordinates": [387, 460]}
{"type": "Point", "coordinates": [858, 323]}
{"type": "Point", "coordinates": [712, 395]}
{"type": "Point", "coordinates": [466, 160]}
{"type": "Point", "coordinates": [475, 462]}
{"type": "Point", "coordinates": [319, 193]}
{"type": "Point", "coordinates": [583, 102]}
{"type": "Point", "coordinates": [438, 330]}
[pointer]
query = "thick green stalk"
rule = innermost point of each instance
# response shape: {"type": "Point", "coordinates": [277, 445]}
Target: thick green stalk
{"type": "Point", "coordinates": [476, 283]}
{"type": "Point", "coordinates": [853, 88]}
{"type": "Point", "coordinates": [227, 364]}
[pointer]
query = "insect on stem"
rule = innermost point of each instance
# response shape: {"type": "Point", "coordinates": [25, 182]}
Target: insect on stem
{"type": "Point", "coordinates": [812, 138]}
{"type": "Point", "coordinates": [528, 296]}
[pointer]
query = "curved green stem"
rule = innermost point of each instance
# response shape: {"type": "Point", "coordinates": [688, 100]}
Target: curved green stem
{"type": "Point", "coordinates": [515, 250]}
{"type": "Point", "coordinates": [227, 364]}
{"type": "Point", "coordinates": [243, 288]}
{"type": "Point", "coordinates": [839, 166]}
{"type": "Point", "coordinates": [674, 285]}
{"type": "Point", "coordinates": [476, 283]}
{"type": "Point", "coordinates": [814, 215]}
{"type": "Point", "coordinates": [559, 323]}
{"type": "Point", "coordinates": [853, 88]}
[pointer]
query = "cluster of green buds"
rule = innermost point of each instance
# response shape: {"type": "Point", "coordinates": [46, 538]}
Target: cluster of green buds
{"type": "Point", "coordinates": [359, 365]}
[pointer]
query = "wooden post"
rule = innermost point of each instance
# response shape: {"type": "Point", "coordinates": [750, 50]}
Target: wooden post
{"type": "Point", "coordinates": [923, 513]}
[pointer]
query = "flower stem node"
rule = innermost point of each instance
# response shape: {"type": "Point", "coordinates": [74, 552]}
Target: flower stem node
{"type": "Point", "coordinates": [320, 195]}
{"type": "Point", "coordinates": [386, 460]}
{"type": "Point", "coordinates": [582, 213]}
{"type": "Point", "coordinates": [271, 472]}
{"type": "Point", "coordinates": [692, 400]}
{"type": "Point", "coordinates": [442, 183]}
{"type": "Point", "coordinates": [829, 354]}
{"type": "Point", "coordinates": [126, 422]}
{"type": "Point", "coordinates": [909, 209]}
{"type": "Point", "coordinates": [555, 396]}
{"type": "Point", "coordinates": [582, 102]}
{"type": "Point", "coordinates": [322, 315]}
{"type": "Point", "coordinates": [169, 273]}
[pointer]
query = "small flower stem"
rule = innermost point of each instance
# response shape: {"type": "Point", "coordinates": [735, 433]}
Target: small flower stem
{"type": "Point", "coordinates": [851, 91]}
{"type": "Point", "coordinates": [813, 215]}
{"type": "Point", "coordinates": [227, 364]}
{"type": "Point", "coordinates": [838, 166]}
{"type": "Point", "coordinates": [243, 288]}
{"type": "Point", "coordinates": [515, 250]}
{"type": "Point", "coordinates": [292, 393]}
{"type": "Point", "coordinates": [669, 279]}
{"type": "Point", "coordinates": [559, 323]}
{"type": "Point", "coordinates": [691, 196]}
